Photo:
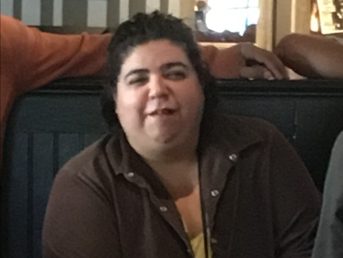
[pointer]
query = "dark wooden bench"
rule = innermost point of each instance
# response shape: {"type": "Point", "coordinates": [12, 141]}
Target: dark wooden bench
{"type": "Point", "coordinates": [50, 125]}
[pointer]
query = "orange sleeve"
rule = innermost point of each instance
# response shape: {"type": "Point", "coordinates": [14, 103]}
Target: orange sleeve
{"type": "Point", "coordinates": [35, 58]}
{"type": "Point", "coordinates": [223, 63]}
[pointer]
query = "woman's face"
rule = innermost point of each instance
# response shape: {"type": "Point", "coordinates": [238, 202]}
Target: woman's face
{"type": "Point", "coordinates": [159, 100]}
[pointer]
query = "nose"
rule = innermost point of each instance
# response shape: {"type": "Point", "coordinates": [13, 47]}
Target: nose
{"type": "Point", "coordinates": [158, 87]}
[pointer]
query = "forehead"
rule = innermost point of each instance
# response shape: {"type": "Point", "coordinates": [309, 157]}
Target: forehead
{"type": "Point", "coordinates": [154, 54]}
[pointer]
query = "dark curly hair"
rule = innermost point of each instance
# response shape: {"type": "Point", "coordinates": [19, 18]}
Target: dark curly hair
{"type": "Point", "coordinates": [140, 29]}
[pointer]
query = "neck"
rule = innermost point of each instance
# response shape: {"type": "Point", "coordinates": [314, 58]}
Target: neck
{"type": "Point", "coordinates": [170, 156]}
{"type": "Point", "coordinates": [176, 163]}
{"type": "Point", "coordinates": [169, 153]}
{"type": "Point", "coordinates": [179, 175]}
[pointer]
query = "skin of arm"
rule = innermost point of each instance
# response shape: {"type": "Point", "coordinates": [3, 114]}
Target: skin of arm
{"type": "Point", "coordinates": [312, 55]}
{"type": "Point", "coordinates": [244, 60]}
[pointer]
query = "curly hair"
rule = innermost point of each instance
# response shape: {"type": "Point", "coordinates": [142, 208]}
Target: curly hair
{"type": "Point", "coordinates": [140, 29]}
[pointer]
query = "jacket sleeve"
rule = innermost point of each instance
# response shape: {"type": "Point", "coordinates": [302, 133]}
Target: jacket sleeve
{"type": "Point", "coordinates": [295, 201]}
{"type": "Point", "coordinates": [79, 220]}
{"type": "Point", "coordinates": [35, 58]}
{"type": "Point", "coordinates": [329, 237]}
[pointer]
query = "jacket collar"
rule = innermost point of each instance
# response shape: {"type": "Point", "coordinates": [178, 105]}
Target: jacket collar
{"type": "Point", "coordinates": [222, 135]}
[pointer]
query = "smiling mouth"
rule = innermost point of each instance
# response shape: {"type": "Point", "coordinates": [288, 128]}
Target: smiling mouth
{"type": "Point", "coordinates": [164, 111]}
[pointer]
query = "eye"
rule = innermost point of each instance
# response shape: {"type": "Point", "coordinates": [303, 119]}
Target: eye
{"type": "Point", "coordinates": [175, 74]}
{"type": "Point", "coordinates": [137, 80]}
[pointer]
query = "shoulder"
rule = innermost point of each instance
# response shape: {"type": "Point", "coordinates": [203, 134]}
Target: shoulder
{"type": "Point", "coordinates": [237, 133]}
{"type": "Point", "coordinates": [245, 126]}
{"type": "Point", "coordinates": [92, 165]}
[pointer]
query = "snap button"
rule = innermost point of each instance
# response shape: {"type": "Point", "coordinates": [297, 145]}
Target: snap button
{"type": "Point", "coordinates": [163, 208]}
{"type": "Point", "coordinates": [214, 241]}
{"type": "Point", "coordinates": [130, 174]}
{"type": "Point", "coordinates": [214, 193]}
{"type": "Point", "coordinates": [233, 157]}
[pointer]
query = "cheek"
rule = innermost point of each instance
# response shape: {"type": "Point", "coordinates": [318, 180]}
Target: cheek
{"type": "Point", "coordinates": [129, 108]}
{"type": "Point", "coordinates": [196, 105]}
{"type": "Point", "coordinates": [125, 99]}
{"type": "Point", "coordinates": [194, 97]}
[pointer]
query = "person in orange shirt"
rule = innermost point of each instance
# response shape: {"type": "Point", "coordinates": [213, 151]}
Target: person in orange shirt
{"type": "Point", "coordinates": [31, 58]}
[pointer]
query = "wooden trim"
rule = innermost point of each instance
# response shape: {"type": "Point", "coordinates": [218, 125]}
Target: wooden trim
{"type": "Point", "coordinates": [219, 45]}
{"type": "Point", "coordinates": [187, 12]}
{"type": "Point", "coordinates": [264, 28]}
{"type": "Point", "coordinates": [283, 19]}
{"type": "Point", "coordinates": [301, 16]}
{"type": "Point", "coordinates": [279, 18]}
{"type": "Point", "coordinates": [299, 88]}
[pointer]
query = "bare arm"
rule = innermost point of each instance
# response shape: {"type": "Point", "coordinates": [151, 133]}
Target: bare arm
{"type": "Point", "coordinates": [243, 60]}
{"type": "Point", "coordinates": [312, 56]}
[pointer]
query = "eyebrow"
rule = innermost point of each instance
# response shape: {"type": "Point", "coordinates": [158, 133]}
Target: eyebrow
{"type": "Point", "coordinates": [174, 64]}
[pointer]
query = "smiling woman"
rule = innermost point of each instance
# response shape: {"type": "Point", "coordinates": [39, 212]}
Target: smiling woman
{"type": "Point", "coordinates": [177, 179]}
{"type": "Point", "coordinates": [159, 101]}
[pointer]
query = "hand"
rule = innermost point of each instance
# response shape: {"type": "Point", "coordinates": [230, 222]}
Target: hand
{"type": "Point", "coordinates": [261, 64]}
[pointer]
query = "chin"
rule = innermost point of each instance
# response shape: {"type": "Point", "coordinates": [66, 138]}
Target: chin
{"type": "Point", "coordinates": [164, 139]}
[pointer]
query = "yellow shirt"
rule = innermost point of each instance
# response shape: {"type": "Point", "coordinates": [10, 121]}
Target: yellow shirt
{"type": "Point", "coordinates": [198, 246]}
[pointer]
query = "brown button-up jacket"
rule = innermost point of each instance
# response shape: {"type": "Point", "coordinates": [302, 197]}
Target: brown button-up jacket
{"type": "Point", "coordinates": [258, 199]}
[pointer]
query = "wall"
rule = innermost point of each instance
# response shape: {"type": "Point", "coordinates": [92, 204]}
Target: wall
{"type": "Point", "coordinates": [89, 13]}
{"type": "Point", "coordinates": [277, 17]}
{"type": "Point", "coordinates": [281, 17]}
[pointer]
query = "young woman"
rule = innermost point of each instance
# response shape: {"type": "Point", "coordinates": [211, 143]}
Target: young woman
{"type": "Point", "coordinates": [175, 179]}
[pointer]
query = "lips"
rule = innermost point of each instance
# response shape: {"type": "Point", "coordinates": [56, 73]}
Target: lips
{"type": "Point", "coordinates": [162, 111]}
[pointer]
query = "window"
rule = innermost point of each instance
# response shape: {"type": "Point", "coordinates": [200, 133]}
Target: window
{"type": "Point", "coordinates": [231, 15]}
{"type": "Point", "coordinates": [226, 20]}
